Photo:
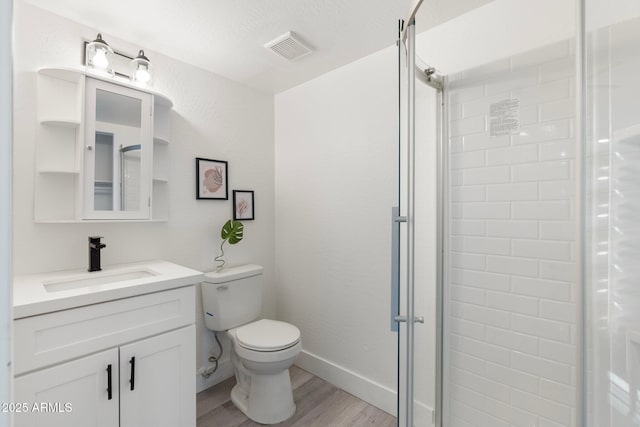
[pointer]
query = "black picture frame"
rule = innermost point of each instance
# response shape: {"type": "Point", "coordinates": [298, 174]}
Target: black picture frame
{"type": "Point", "coordinates": [245, 212]}
{"type": "Point", "coordinates": [212, 179]}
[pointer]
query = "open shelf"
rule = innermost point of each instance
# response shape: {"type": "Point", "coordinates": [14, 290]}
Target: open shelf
{"type": "Point", "coordinates": [160, 200]}
{"type": "Point", "coordinates": [59, 171]}
{"type": "Point", "coordinates": [162, 123]}
{"type": "Point", "coordinates": [160, 160]}
{"type": "Point", "coordinates": [60, 122]}
{"type": "Point", "coordinates": [57, 196]}
{"type": "Point", "coordinates": [96, 221]}
{"type": "Point", "coordinates": [60, 97]}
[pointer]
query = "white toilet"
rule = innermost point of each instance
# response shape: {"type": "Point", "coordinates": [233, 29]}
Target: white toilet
{"type": "Point", "coordinates": [262, 350]}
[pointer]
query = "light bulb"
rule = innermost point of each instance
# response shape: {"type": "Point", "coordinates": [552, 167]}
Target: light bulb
{"type": "Point", "coordinates": [142, 76]}
{"type": "Point", "coordinates": [98, 56]}
{"type": "Point", "coordinates": [141, 70]}
{"type": "Point", "coordinates": [100, 59]}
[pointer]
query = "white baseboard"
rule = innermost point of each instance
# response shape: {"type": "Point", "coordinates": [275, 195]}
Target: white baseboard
{"type": "Point", "coordinates": [371, 392]}
{"type": "Point", "coordinates": [225, 371]}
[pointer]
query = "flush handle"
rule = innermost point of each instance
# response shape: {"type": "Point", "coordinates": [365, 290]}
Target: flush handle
{"type": "Point", "coordinates": [222, 288]}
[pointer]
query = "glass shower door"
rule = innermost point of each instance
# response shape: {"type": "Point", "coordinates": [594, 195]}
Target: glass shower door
{"type": "Point", "coordinates": [509, 195]}
{"type": "Point", "coordinates": [613, 223]}
{"type": "Point", "coordinates": [510, 290]}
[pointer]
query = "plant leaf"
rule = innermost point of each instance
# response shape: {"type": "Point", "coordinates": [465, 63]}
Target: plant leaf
{"type": "Point", "coordinates": [232, 231]}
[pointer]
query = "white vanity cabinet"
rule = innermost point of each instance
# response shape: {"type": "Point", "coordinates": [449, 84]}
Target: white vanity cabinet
{"type": "Point", "coordinates": [83, 118]}
{"type": "Point", "coordinates": [82, 384]}
{"type": "Point", "coordinates": [160, 373]}
{"type": "Point", "coordinates": [127, 363]}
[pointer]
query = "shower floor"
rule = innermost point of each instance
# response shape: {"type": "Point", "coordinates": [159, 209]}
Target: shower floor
{"type": "Point", "coordinates": [318, 404]}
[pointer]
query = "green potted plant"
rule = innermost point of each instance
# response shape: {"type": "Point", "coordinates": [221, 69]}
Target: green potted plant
{"type": "Point", "coordinates": [232, 232]}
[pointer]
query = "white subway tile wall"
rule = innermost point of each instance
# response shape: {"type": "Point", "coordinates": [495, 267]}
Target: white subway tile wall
{"type": "Point", "coordinates": [510, 306]}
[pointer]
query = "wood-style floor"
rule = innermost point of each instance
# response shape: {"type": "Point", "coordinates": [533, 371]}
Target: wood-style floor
{"type": "Point", "coordinates": [318, 404]}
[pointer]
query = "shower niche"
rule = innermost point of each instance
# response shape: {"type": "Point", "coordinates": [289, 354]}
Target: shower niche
{"type": "Point", "coordinates": [101, 149]}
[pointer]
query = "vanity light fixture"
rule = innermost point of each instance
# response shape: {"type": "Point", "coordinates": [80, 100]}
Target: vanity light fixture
{"type": "Point", "coordinates": [99, 56]}
{"type": "Point", "coordinates": [141, 70]}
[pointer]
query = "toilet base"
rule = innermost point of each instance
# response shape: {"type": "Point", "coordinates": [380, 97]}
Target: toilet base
{"type": "Point", "coordinates": [268, 400]}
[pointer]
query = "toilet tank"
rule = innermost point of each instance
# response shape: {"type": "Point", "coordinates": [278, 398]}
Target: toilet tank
{"type": "Point", "coordinates": [232, 297]}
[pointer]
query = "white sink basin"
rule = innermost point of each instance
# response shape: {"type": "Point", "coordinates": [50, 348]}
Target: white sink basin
{"type": "Point", "coordinates": [96, 279]}
{"type": "Point", "coordinates": [60, 290]}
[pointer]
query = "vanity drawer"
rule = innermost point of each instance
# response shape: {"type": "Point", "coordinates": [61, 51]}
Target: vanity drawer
{"type": "Point", "coordinates": [63, 335]}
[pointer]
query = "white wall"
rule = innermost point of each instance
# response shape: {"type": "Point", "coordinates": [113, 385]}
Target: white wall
{"type": "Point", "coordinates": [6, 50]}
{"type": "Point", "coordinates": [336, 169]}
{"type": "Point", "coordinates": [212, 117]}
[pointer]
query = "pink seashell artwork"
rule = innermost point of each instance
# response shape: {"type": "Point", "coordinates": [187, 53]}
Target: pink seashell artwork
{"type": "Point", "coordinates": [243, 205]}
{"type": "Point", "coordinates": [241, 208]}
{"type": "Point", "coordinates": [213, 179]}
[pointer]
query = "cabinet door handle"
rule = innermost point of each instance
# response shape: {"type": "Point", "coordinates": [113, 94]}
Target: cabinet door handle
{"type": "Point", "coordinates": [109, 388]}
{"type": "Point", "coordinates": [132, 380]}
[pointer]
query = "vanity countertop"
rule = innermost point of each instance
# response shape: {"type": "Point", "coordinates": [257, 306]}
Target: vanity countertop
{"type": "Point", "coordinates": [47, 292]}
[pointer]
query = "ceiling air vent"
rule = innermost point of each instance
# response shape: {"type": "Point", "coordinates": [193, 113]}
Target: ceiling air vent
{"type": "Point", "coordinates": [288, 46]}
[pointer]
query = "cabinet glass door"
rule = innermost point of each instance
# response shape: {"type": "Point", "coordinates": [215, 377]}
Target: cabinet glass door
{"type": "Point", "coordinates": [118, 152]}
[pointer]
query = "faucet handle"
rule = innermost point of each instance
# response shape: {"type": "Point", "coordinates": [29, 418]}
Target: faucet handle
{"type": "Point", "coordinates": [94, 242]}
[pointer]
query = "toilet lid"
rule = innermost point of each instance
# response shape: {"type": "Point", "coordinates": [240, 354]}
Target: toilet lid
{"type": "Point", "coordinates": [267, 335]}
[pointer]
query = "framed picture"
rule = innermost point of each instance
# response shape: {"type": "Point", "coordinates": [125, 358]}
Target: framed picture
{"type": "Point", "coordinates": [243, 205]}
{"type": "Point", "coordinates": [212, 179]}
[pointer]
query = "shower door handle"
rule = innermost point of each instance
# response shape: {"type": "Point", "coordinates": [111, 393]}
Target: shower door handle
{"type": "Point", "coordinates": [416, 319]}
{"type": "Point", "coordinates": [396, 219]}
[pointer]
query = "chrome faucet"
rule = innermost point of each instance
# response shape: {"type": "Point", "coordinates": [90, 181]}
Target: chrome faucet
{"type": "Point", "coordinates": [94, 252]}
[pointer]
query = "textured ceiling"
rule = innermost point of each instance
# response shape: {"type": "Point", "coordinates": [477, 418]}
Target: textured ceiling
{"type": "Point", "coordinates": [227, 36]}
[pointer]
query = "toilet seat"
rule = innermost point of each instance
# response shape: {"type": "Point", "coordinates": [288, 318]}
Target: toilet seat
{"type": "Point", "coordinates": [267, 335]}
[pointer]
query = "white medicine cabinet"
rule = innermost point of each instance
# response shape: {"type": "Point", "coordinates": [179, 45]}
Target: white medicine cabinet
{"type": "Point", "coordinates": [102, 148]}
{"type": "Point", "coordinates": [118, 148]}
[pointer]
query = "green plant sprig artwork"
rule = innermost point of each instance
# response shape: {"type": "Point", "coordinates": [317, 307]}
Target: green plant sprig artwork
{"type": "Point", "coordinates": [232, 232]}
